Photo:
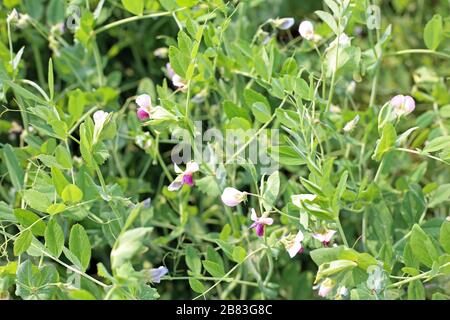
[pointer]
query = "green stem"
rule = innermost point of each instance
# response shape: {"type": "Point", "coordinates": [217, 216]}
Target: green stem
{"type": "Point", "coordinates": [420, 51]}
{"type": "Point", "coordinates": [341, 232]}
{"type": "Point", "coordinates": [132, 19]}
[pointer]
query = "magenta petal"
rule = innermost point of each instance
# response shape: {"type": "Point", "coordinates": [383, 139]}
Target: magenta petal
{"type": "Point", "coordinates": [142, 114]}
{"type": "Point", "coordinates": [259, 230]}
{"type": "Point", "coordinates": [301, 250]}
{"type": "Point", "coordinates": [187, 179]}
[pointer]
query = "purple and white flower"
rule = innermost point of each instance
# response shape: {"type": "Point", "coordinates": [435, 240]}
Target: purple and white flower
{"type": "Point", "coordinates": [145, 104]}
{"type": "Point", "coordinates": [324, 237]}
{"type": "Point", "coordinates": [260, 222]}
{"type": "Point", "coordinates": [184, 177]}
{"type": "Point", "coordinates": [295, 246]}
{"type": "Point", "coordinates": [403, 105]}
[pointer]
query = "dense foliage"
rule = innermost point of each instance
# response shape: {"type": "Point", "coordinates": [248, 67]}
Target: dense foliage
{"type": "Point", "coordinates": [352, 97]}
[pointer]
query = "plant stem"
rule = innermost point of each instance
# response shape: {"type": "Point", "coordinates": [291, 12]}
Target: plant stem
{"type": "Point", "coordinates": [134, 18]}
{"type": "Point", "coordinates": [341, 232]}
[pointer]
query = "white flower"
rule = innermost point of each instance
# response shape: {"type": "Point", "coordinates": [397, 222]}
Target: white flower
{"type": "Point", "coordinates": [349, 126]}
{"type": "Point", "coordinates": [158, 273]}
{"type": "Point", "coordinates": [335, 109]}
{"type": "Point", "coordinates": [325, 287]}
{"type": "Point", "coordinates": [283, 23]}
{"type": "Point", "coordinates": [351, 87]}
{"type": "Point", "coordinates": [295, 246]}
{"type": "Point", "coordinates": [161, 52]}
{"type": "Point", "coordinates": [100, 117]}
{"type": "Point", "coordinates": [299, 198]}
{"type": "Point", "coordinates": [403, 105]}
{"type": "Point", "coordinates": [14, 15]}
{"type": "Point", "coordinates": [306, 30]}
{"type": "Point", "coordinates": [177, 81]}
{"type": "Point", "coordinates": [325, 237]}
{"type": "Point", "coordinates": [232, 196]}
{"type": "Point", "coordinates": [343, 291]}
{"type": "Point", "coordinates": [144, 101]}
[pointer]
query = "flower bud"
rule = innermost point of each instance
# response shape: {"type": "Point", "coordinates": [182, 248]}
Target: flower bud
{"type": "Point", "coordinates": [232, 197]}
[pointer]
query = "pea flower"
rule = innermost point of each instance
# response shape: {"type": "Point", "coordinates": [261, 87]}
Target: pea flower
{"type": "Point", "coordinates": [232, 196]}
{"type": "Point", "coordinates": [161, 52]}
{"type": "Point", "coordinates": [157, 273]}
{"type": "Point", "coordinates": [349, 126]}
{"type": "Point", "coordinates": [306, 30]}
{"type": "Point", "coordinates": [14, 15]}
{"type": "Point", "coordinates": [100, 118]}
{"type": "Point", "coordinates": [184, 177]}
{"type": "Point", "coordinates": [177, 81]}
{"type": "Point", "coordinates": [342, 292]}
{"type": "Point", "coordinates": [294, 245]}
{"type": "Point", "coordinates": [146, 111]}
{"type": "Point", "coordinates": [260, 222]}
{"type": "Point", "coordinates": [145, 103]}
{"type": "Point", "coordinates": [283, 23]}
{"type": "Point", "coordinates": [325, 237]}
{"type": "Point", "coordinates": [299, 198]}
{"type": "Point", "coordinates": [325, 287]}
{"type": "Point", "coordinates": [403, 105]}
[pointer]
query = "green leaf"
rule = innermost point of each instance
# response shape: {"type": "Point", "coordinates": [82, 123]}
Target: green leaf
{"type": "Point", "coordinates": [214, 269]}
{"type": "Point", "coordinates": [261, 112]}
{"type": "Point", "coordinates": [339, 191]}
{"type": "Point", "coordinates": [80, 245]}
{"type": "Point", "coordinates": [54, 238]}
{"type": "Point", "coordinates": [128, 245]}
{"type": "Point", "coordinates": [59, 180]}
{"type": "Point", "coordinates": [416, 291]}
{"type": "Point", "coordinates": [422, 247]}
{"type": "Point", "coordinates": [134, 6]}
{"type": "Point", "coordinates": [444, 236]}
{"type": "Point", "coordinates": [36, 283]}
{"type": "Point", "coordinates": [433, 32]}
{"type": "Point", "coordinates": [56, 11]}
{"type": "Point", "coordinates": [328, 19]}
{"type": "Point", "coordinates": [437, 144]}
{"type": "Point", "coordinates": [196, 285]}
{"type": "Point", "coordinates": [27, 218]}
{"type": "Point", "coordinates": [56, 208]}
{"type": "Point", "coordinates": [22, 242]}
{"type": "Point", "coordinates": [77, 102]}
{"type": "Point", "coordinates": [72, 194]}
{"type": "Point", "coordinates": [333, 267]}
{"type": "Point", "coordinates": [209, 186]}
{"type": "Point", "coordinates": [63, 157]}
{"type": "Point", "coordinates": [12, 164]}
{"type": "Point", "coordinates": [239, 254]}
{"type": "Point", "coordinates": [323, 255]}
{"type": "Point", "coordinates": [442, 194]}
{"type": "Point", "coordinates": [81, 294]}
{"type": "Point", "coordinates": [386, 142]}
{"type": "Point", "coordinates": [271, 190]}
{"type": "Point", "coordinates": [193, 260]}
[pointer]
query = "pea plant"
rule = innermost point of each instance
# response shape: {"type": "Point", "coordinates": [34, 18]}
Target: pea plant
{"type": "Point", "coordinates": [186, 149]}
